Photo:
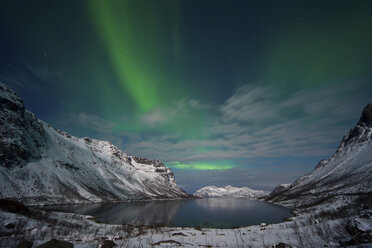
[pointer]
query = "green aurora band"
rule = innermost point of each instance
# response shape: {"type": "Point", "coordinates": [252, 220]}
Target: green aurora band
{"type": "Point", "coordinates": [118, 60]}
{"type": "Point", "coordinates": [134, 34]}
{"type": "Point", "coordinates": [305, 54]}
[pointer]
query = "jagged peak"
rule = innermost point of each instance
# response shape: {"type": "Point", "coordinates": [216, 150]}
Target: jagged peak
{"type": "Point", "coordinates": [361, 132]}
{"type": "Point", "coordinates": [4, 87]}
{"type": "Point", "coordinates": [10, 99]}
{"type": "Point", "coordinates": [366, 117]}
{"type": "Point", "coordinates": [347, 170]}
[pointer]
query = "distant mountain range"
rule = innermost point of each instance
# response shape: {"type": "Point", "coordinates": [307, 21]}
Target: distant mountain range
{"type": "Point", "coordinates": [229, 191]}
{"type": "Point", "coordinates": [39, 164]}
{"type": "Point", "coordinates": [347, 173]}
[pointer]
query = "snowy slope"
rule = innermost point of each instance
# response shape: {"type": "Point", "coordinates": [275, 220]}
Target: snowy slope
{"type": "Point", "coordinates": [279, 189]}
{"type": "Point", "coordinates": [229, 191]}
{"type": "Point", "coordinates": [347, 172]}
{"type": "Point", "coordinates": [39, 164]}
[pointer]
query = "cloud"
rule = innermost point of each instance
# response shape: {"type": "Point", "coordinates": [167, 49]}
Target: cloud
{"type": "Point", "coordinates": [195, 104]}
{"type": "Point", "coordinates": [179, 110]}
{"type": "Point", "coordinates": [302, 123]}
{"type": "Point", "coordinates": [249, 104]}
{"type": "Point", "coordinates": [258, 122]}
{"type": "Point", "coordinates": [31, 77]}
{"type": "Point", "coordinates": [93, 122]}
{"type": "Point", "coordinates": [155, 117]}
{"type": "Point", "coordinates": [254, 124]}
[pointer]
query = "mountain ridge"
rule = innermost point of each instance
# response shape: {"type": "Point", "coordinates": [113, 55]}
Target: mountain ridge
{"type": "Point", "coordinates": [229, 191]}
{"type": "Point", "coordinates": [348, 171]}
{"type": "Point", "coordinates": [43, 165]}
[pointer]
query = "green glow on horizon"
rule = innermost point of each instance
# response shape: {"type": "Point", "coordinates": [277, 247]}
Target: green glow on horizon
{"type": "Point", "coordinates": [202, 165]}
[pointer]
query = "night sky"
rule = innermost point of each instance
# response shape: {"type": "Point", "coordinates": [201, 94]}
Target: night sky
{"type": "Point", "coordinates": [246, 93]}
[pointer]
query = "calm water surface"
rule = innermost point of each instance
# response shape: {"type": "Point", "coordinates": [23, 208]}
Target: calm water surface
{"type": "Point", "coordinates": [209, 212]}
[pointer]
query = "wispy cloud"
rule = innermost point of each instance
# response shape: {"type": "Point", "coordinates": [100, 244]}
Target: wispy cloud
{"type": "Point", "coordinates": [253, 124]}
{"type": "Point", "coordinates": [155, 117]}
{"type": "Point", "coordinates": [259, 122]}
{"type": "Point", "coordinates": [180, 109]}
{"type": "Point", "coordinates": [31, 77]}
{"type": "Point", "coordinates": [93, 122]}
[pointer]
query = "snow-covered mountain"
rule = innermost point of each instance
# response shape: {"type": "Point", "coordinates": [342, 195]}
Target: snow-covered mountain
{"type": "Point", "coordinates": [229, 191]}
{"type": "Point", "coordinates": [39, 164]}
{"type": "Point", "coordinates": [347, 172]}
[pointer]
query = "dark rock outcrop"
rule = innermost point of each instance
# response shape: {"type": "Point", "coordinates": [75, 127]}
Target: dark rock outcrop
{"type": "Point", "coordinates": [366, 117]}
{"type": "Point", "coordinates": [360, 230]}
{"type": "Point", "coordinates": [13, 207]}
{"type": "Point", "coordinates": [282, 245]}
{"type": "Point", "coordinates": [53, 243]}
{"type": "Point", "coordinates": [25, 244]}
{"type": "Point", "coordinates": [21, 133]}
{"type": "Point", "coordinates": [140, 160]}
{"type": "Point", "coordinates": [107, 244]}
{"type": "Point", "coordinates": [358, 133]}
{"type": "Point", "coordinates": [10, 225]}
{"type": "Point", "coordinates": [278, 190]}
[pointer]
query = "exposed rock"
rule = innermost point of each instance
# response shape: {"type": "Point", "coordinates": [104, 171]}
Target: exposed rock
{"type": "Point", "coordinates": [171, 241]}
{"type": "Point", "coordinates": [22, 135]}
{"type": "Point", "coordinates": [107, 244]}
{"type": "Point", "coordinates": [53, 243]}
{"type": "Point", "coordinates": [366, 117]}
{"type": "Point", "coordinates": [10, 225]}
{"type": "Point", "coordinates": [179, 234]}
{"type": "Point", "coordinates": [13, 207]}
{"type": "Point", "coordinates": [278, 190]}
{"type": "Point", "coordinates": [282, 245]}
{"type": "Point", "coordinates": [360, 132]}
{"type": "Point", "coordinates": [360, 229]}
{"type": "Point", "coordinates": [141, 160]}
{"type": "Point", "coordinates": [25, 244]}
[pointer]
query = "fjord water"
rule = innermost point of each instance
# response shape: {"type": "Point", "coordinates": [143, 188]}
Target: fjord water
{"type": "Point", "coordinates": [206, 212]}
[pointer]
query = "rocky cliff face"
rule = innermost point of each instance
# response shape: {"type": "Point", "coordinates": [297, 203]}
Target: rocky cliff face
{"type": "Point", "coordinates": [39, 164]}
{"type": "Point", "coordinates": [22, 135]}
{"type": "Point", "coordinates": [347, 172]}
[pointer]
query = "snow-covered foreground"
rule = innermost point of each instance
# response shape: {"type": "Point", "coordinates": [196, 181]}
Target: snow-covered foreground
{"type": "Point", "coordinates": [82, 232]}
{"type": "Point", "coordinates": [319, 226]}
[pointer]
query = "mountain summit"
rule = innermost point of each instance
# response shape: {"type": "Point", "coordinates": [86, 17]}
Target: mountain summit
{"type": "Point", "coordinates": [366, 117]}
{"type": "Point", "coordinates": [39, 164]}
{"type": "Point", "coordinates": [347, 172]}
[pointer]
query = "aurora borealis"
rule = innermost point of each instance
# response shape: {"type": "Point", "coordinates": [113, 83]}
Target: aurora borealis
{"type": "Point", "coordinates": [224, 92]}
